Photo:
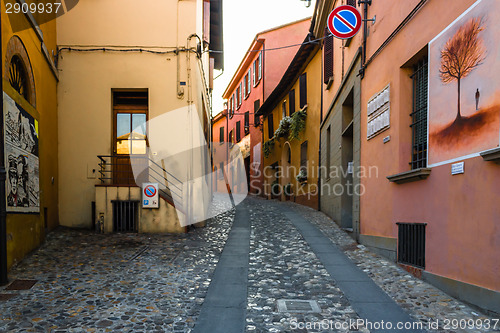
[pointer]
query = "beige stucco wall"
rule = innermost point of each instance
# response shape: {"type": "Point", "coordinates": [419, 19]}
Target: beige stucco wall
{"type": "Point", "coordinates": [87, 80]}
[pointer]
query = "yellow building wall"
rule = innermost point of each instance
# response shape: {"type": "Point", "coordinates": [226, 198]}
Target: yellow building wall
{"type": "Point", "coordinates": [305, 194]}
{"type": "Point", "coordinates": [87, 80]}
{"type": "Point", "coordinates": [25, 232]}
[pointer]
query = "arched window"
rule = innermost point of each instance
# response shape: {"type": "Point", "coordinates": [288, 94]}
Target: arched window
{"type": "Point", "coordinates": [17, 70]}
{"type": "Point", "coordinates": [18, 77]}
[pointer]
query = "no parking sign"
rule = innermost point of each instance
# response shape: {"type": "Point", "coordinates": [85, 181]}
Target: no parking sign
{"type": "Point", "coordinates": [344, 22]}
{"type": "Point", "coordinates": [150, 195]}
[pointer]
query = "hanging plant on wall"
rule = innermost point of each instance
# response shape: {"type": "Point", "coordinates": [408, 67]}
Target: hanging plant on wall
{"type": "Point", "coordinates": [298, 124]}
{"type": "Point", "coordinates": [268, 147]}
{"type": "Point", "coordinates": [283, 129]}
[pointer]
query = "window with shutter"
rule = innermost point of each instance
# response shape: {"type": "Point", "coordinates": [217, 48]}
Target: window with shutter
{"type": "Point", "coordinates": [328, 56]}
{"type": "Point", "coordinates": [244, 87]}
{"type": "Point", "coordinates": [270, 126]}
{"type": "Point", "coordinates": [221, 134]}
{"type": "Point", "coordinates": [253, 73]}
{"type": "Point", "coordinates": [247, 122]}
{"type": "Point", "coordinates": [256, 118]}
{"type": "Point", "coordinates": [260, 65]}
{"type": "Point", "coordinates": [351, 3]}
{"type": "Point", "coordinates": [303, 90]}
{"type": "Point", "coordinates": [291, 102]}
{"type": "Point", "coordinates": [248, 82]}
{"type": "Point", "coordinates": [238, 131]}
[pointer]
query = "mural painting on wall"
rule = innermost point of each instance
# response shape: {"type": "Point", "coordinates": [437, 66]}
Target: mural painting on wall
{"type": "Point", "coordinates": [464, 90]}
{"type": "Point", "coordinates": [21, 158]}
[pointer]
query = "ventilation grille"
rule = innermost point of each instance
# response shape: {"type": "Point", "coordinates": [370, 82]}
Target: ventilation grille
{"type": "Point", "coordinates": [125, 216]}
{"type": "Point", "coordinates": [411, 244]}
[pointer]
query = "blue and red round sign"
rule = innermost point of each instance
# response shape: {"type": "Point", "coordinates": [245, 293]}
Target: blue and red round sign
{"type": "Point", "coordinates": [344, 22]}
{"type": "Point", "coordinates": [150, 191]}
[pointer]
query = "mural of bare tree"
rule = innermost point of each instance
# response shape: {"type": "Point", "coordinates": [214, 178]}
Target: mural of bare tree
{"type": "Point", "coordinates": [463, 52]}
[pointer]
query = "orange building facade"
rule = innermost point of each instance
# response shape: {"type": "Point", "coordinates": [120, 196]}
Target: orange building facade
{"type": "Point", "coordinates": [256, 77]}
{"type": "Point", "coordinates": [430, 125]}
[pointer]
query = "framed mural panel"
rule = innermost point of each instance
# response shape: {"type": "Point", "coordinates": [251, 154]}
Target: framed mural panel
{"type": "Point", "coordinates": [21, 158]}
{"type": "Point", "coordinates": [464, 89]}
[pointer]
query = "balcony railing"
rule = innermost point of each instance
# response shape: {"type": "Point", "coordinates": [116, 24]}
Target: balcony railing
{"type": "Point", "coordinates": [117, 170]}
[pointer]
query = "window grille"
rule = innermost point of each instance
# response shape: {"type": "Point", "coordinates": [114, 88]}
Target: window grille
{"type": "Point", "coordinates": [125, 216]}
{"type": "Point", "coordinates": [419, 115]}
{"type": "Point", "coordinates": [411, 244]}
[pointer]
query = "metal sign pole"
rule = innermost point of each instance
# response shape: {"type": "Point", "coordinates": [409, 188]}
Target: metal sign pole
{"type": "Point", "coordinates": [3, 214]}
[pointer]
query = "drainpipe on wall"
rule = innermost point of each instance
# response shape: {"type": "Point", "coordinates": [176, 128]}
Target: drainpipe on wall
{"type": "Point", "coordinates": [365, 3]}
{"type": "Point", "coordinates": [3, 214]}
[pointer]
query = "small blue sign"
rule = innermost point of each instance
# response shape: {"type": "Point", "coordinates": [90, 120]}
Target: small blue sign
{"type": "Point", "coordinates": [146, 202]}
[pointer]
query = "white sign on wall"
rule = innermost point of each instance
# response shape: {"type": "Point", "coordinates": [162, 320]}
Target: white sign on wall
{"type": "Point", "coordinates": [378, 111]}
{"type": "Point", "coordinates": [150, 195]}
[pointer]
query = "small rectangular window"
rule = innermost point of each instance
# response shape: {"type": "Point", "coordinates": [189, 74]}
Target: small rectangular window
{"type": "Point", "coordinates": [411, 244]}
{"type": "Point", "coordinates": [291, 102]}
{"type": "Point", "coordinates": [270, 126]}
{"type": "Point", "coordinates": [303, 90]}
{"type": "Point", "coordinates": [221, 134]}
{"type": "Point", "coordinates": [283, 109]}
{"type": "Point", "coordinates": [256, 118]}
{"type": "Point", "coordinates": [247, 122]}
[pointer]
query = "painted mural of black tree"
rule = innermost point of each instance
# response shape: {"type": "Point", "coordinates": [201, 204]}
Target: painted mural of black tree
{"type": "Point", "coordinates": [462, 53]}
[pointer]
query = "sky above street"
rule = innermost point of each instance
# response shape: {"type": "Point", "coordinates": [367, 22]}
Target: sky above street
{"type": "Point", "coordinates": [242, 21]}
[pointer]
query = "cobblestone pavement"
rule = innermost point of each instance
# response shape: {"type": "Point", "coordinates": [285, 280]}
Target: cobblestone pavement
{"type": "Point", "coordinates": [424, 302]}
{"type": "Point", "coordinates": [283, 266]}
{"type": "Point", "coordinates": [157, 283]}
{"type": "Point", "coordinates": [115, 282]}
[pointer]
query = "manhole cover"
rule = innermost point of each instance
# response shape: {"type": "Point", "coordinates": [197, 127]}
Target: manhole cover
{"type": "Point", "coordinates": [298, 306]}
{"type": "Point", "coordinates": [6, 297]}
{"type": "Point", "coordinates": [21, 285]}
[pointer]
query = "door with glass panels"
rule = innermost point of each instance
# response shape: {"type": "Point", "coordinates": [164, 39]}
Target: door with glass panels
{"type": "Point", "coordinates": [130, 113]}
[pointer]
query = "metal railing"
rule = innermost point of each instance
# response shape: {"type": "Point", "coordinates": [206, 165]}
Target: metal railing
{"type": "Point", "coordinates": [117, 170]}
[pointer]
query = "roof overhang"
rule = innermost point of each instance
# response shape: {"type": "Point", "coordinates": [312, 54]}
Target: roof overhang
{"type": "Point", "coordinates": [299, 62]}
{"type": "Point", "coordinates": [216, 34]}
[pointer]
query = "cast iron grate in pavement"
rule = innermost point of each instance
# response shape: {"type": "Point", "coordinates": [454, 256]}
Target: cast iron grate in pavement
{"type": "Point", "coordinates": [298, 306]}
{"type": "Point", "coordinates": [6, 297]}
{"type": "Point", "coordinates": [21, 285]}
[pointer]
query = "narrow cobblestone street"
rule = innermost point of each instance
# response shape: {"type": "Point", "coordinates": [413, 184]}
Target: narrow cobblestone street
{"type": "Point", "coordinates": [159, 283]}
